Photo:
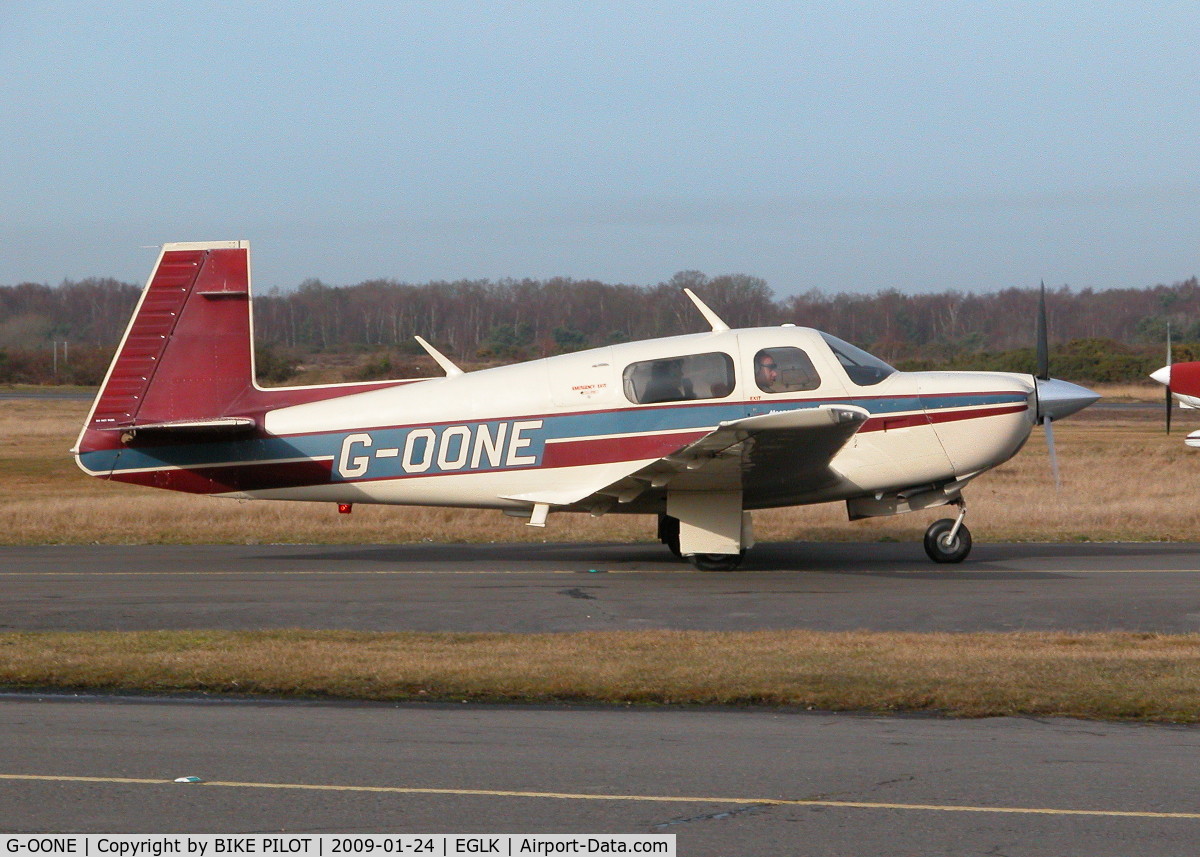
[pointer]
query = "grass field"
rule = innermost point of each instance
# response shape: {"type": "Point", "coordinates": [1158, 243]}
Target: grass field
{"type": "Point", "coordinates": [1104, 676]}
{"type": "Point", "coordinates": [1123, 479]}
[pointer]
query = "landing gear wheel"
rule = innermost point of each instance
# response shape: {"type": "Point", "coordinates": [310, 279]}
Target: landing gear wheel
{"type": "Point", "coordinates": [939, 546]}
{"type": "Point", "coordinates": [668, 533]}
{"type": "Point", "coordinates": [716, 561]}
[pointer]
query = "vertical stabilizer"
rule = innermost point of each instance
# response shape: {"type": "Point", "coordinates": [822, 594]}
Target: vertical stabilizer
{"type": "Point", "coordinates": [187, 354]}
{"type": "Point", "coordinates": [180, 393]}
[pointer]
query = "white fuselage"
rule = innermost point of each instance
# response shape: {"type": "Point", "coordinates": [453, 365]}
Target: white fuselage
{"type": "Point", "coordinates": [492, 437]}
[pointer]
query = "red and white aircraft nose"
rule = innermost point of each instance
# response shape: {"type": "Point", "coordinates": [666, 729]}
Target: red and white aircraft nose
{"type": "Point", "coordinates": [1183, 379]}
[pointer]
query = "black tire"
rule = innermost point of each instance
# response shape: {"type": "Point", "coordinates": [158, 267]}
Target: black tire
{"type": "Point", "coordinates": [716, 561]}
{"type": "Point", "coordinates": [937, 547]}
{"type": "Point", "coordinates": [668, 533]}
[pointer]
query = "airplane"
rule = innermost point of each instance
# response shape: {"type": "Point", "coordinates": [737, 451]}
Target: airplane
{"type": "Point", "coordinates": [699, 429]}
{"type": "Point", "coordinates": [1182, 382]}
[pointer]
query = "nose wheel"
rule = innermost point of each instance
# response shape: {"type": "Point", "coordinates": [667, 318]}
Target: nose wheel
{"type": "Point", "coordinates": [948, 540]}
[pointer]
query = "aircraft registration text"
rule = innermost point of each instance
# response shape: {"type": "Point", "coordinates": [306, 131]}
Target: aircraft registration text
{"type": "Point", "coordinates": [440, 449]}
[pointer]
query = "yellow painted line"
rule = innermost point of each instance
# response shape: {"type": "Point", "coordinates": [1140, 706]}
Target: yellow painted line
{"type": "Point", "coordinates": [836, 804]}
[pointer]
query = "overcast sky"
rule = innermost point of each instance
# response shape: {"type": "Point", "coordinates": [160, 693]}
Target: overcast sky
{"type": "Point", "coordinates": [839, 146]}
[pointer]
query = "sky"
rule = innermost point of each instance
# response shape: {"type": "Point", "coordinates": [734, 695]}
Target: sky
{"type": "Point", "coordinates": [849, 147]}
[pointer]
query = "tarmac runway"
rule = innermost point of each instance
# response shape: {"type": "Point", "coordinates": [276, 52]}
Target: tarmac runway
{"type": "Point", "coordinates": [725, 781]}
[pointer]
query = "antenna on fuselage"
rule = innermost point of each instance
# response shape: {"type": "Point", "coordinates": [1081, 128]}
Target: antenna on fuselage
{"type": "Point", "coordinates": [442, 360]}
{"type": "Point", "coordinates": [711, 317]}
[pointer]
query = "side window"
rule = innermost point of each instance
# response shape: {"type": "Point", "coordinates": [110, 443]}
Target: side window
{"type": "Point", "coordinates": [784, 370]}
{"type": "Point", "coordinates": [676, 379]}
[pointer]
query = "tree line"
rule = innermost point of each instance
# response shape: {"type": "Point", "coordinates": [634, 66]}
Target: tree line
{"type": "Point", "coordinates": [66, 333]}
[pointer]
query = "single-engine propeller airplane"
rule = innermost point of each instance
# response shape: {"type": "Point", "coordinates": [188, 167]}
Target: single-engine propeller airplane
{"type": "Point", "coordinates": [698, 429]}
{"type": "Point", "coordinates": [1182, 383]}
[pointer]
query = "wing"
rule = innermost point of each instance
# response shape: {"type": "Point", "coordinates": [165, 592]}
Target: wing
{"type": "Point", "coordinates": [770, 456]}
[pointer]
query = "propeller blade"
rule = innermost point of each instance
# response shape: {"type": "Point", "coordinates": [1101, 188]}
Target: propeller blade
{"type": "Point", "coordinates": [1049, 424]}
{"type": "Point", "coordinates": [1168, 384]}
{"type": "Point", "coordinates": [1043, 346]}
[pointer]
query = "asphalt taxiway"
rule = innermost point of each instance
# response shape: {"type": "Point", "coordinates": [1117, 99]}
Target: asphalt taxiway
{"type": "Point", "coordinates": [725, 782]}
{"type": "Point", "coordinates": [559, 587]}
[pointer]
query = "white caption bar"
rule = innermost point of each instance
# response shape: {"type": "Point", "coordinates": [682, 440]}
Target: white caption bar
{"type": "Point", "coordinates": [374, 844]}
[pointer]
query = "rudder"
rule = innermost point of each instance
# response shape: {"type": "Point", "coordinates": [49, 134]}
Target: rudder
{"type": "Point", "coordinates": [187, 353]}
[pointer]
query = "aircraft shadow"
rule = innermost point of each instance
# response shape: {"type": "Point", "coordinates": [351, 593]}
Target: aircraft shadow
{"type": "Point", "coordinates": [1003, 560]}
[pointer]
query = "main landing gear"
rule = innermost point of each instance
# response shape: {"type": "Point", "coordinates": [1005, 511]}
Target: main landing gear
{"type": "Point", "coordinates": [668, 534]}
{"type": "Point", "coordinates": [716, 561]}
{"type": "Point", "coordinates": [948, 540]}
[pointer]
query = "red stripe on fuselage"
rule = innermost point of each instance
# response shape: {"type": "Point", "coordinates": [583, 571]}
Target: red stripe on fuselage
{"type": "Point", "coordinates": [955, 416]}
{"type": "Point", "coordinates": [891, 423]}
{"type": "Point", "coordinates": [607, 450]}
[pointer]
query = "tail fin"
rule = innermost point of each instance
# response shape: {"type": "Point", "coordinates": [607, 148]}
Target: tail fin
{"type": "Point", "coordinates": [181, 388]}
{"type": "Point", "coordinates": [187, 354]}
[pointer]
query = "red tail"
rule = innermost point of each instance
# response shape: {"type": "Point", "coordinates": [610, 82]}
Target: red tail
{"type": "Point", "coordinates": [184, 373]}
{"type": "Point", "coordinates": [187, 353]}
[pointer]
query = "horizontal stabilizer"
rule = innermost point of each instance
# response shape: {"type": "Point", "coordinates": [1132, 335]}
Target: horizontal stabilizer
{"type": "Point", "coordinates": [223, 426]}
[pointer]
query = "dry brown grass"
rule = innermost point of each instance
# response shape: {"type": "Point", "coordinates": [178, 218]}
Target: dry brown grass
{"type": "Point", "coordinates": [1147, 391]}
{"type": "Point", "coordinates": [1109, 676]}
{"type": "Point", "coordinates": [1123, 479]}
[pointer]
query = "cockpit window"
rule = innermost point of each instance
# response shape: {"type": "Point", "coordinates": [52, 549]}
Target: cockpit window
{"type": "Point", "coordinates": [675, 379]}
{"type": "Point", "coordinates": [864, 369]}
{"type": "Point", "coordinates": [784, 370]}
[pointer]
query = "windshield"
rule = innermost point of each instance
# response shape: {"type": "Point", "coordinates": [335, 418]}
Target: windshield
{"type": "Point", "coordinates": [864, 369]}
